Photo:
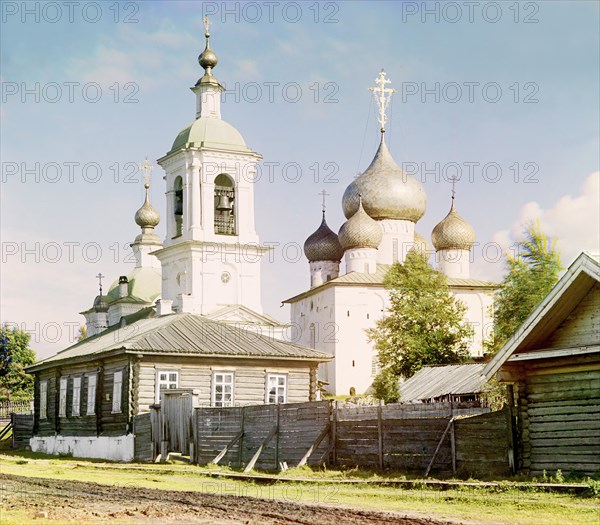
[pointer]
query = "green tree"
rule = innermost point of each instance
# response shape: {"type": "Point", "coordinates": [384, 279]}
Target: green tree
{"type": "Point", "coordinates": [531, 272]}
{"type": "Point", "coordinates": [15, 355]}
{"type": "Point", "coordinates": [425, 324]}
{"type": "Point", "coordinates": [386, 386]}
{"type": "Point", "coordinates": [82, 333]}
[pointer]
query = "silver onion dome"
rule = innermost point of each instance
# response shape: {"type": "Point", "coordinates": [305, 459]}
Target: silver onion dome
{"type": "Point", "coordinates": [387, 192]}
{"type": "Point", "coordinates": [453, 232]}
{"type": "Point", "coordinates": [360, 230]}
{"type": "Point", "coordinates": [147, 217]}
{"type": "Point", "coordinates": [323, 245]}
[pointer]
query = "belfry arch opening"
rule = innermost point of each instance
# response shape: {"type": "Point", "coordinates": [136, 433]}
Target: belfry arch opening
{"type": "Point", "coordinates": [225, 205]}
{"type": "Point", "coordinates": [178, 205]}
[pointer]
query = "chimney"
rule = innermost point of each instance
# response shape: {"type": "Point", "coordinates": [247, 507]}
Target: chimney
{"type": "Point", "coordinates": [123, 286]}
{"type": "Point", "coordinates": [164, 307]}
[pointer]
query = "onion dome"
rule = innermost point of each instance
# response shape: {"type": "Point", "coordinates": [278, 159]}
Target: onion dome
{"type": "Point", "coordinates": [453, 232]}
{"type": "Point", "coordinates": [360, 230]}
{"type": "Point", "coordinates": [323, 245]}
{"type": "Point", "coordinates": [100, 304]}
{"type": "Point", "coordinates": [147, 217]}
{"type": "Point", "coordinates": [421, 245]}
{"type": "Point", "coordinates": [387, 192]}
{"type": "Point", "coordinates": [207, 58]}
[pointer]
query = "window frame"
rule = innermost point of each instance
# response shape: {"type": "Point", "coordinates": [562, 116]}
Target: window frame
{"type": "Point", "coordinates": [277, 375]}
{"type": "Point", "coordinates": [117, 409]}
{"type": "Point", "coordinates": [62, 396]}
{"type": "Point", "coordinates": [213, 388]}
{"type": "Point", "coordinates": [91, 399]}
{"type": "Point", "coordinates": [44, 399]}
{"type": "Point", "coordinates": [76, 400]}
{"type": "Point", "coordinates": [168, 381]}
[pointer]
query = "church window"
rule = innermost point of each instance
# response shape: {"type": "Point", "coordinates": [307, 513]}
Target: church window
{"type": "Point", "coordinates": [117, 391]}
{"type": "Point", "coordinates": [276, 388]}
{"type": "Point", "coordinates": [178, 206]}
{"type": "Point", "coordinates": [353, 364]}
{"type": "Point", "coordinates": [222, 389]}
{"type": "Point", "coordinates": [224, 205]}
{"type": "Point", "coordinates": [76, 402]}
{"type": "Point", "coordinates": [91, 394]}
{"type": "Point", "coordinates": [395, 250]}
{"type": "Point", "coordinates": [167, 380]}
{"type": "Point", "coordinates": [367, 316]}
{"type": "Point", "coordinates": [43, 399]}
{"type": "Point", "coordinates": [313, 336]}
{"type": "Point", "coordinates": [348, 313]}
{"type": "Point", "coordinates": [62, 397]}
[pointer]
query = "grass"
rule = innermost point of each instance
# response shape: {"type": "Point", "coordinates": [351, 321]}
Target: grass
{"type": "Point", "coordinates": [504, 503]}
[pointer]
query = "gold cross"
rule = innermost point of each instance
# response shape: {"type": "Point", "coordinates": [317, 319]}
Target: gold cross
{"type": "Point", "coordinates": [207, 24]}
{"type": "Point", "coordinates": [146, 169]}
{"type": "Point", "coordinates": [383, 96]}
{"type": "Point", "coordinates": [453, 180]}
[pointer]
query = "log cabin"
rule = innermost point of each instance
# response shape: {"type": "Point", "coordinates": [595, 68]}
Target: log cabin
{"type": "Point", "coordinates": [553, 365]}
{"type": "Point", "coordinates": [87, 396]}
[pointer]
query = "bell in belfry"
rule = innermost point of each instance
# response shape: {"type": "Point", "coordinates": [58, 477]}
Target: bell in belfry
{"type": "Point", "coordinates": [224, 204]}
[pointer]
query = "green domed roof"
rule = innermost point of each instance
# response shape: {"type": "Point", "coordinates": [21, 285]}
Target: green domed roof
{"type": "Point", "coordinates": [210, 133]}
{"type": "Point", "coordinates": [144, 286]}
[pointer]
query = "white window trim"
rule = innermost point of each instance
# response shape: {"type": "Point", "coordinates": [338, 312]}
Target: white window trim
{"type": "Point", "coordinates": [44, 399]}
{"type": "Point", "coordinates": [117, 397]}
{"type": "Point", "coordinates": [76, 400]}
{"type": "Point", "coordinates": [91, 399]}
{"type": "Point", "coordinates": [285, 387]}
{"type": "Point", "coordinates": [213, 389]}
{"type": "Point", "coordinates": [158, 382]}
{"type": "Point", "coordinates": [62, 397]}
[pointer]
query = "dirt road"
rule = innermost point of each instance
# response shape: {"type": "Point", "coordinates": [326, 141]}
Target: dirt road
{"type": "Point", "coordinates": [78, 502]}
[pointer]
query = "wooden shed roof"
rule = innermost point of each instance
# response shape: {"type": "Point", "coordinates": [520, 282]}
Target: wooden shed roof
{"type": "Point", "coordinates": [432, 382]}
{"type": "Point", "coordinates": [572, 287]}
{"type": "Point", "coordinates": [186, 335]}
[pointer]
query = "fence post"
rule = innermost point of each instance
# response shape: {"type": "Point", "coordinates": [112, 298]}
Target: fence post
{"type": "Point", "coordinates": [277, 437]}
{"type": "Point", "coordinates": [380, 432]}
{"type": "Point", "coordinates": [510, 427]}
{"type": "Point", "coordinates": [241, 442]}
{"type": "Point", "coordinates": [334, 432]}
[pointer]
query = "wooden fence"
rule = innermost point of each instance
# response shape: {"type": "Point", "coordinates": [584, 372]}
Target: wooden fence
{"type": "Point", "coordinates": [22, 429]}
{"type": "Point", "coordinates": [441, 438]}
{"type": "Point", "coordinates": [17, 407]}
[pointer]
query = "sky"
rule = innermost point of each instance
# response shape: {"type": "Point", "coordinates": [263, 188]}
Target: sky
{"type": "Point", "coordinates": [503, 95]}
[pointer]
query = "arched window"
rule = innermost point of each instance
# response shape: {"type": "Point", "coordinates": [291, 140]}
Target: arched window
{"type": "Point", "coordinates": [224, 205]}
{"type": "Point", "coordinates": [178, 206]}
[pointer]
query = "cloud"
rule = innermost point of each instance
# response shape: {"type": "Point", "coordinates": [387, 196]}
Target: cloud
{"type": "Point", "coordinates": [573, 221]}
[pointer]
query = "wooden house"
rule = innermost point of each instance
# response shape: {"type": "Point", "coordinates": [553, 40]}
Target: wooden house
{"type": "Point", "coordinates": [553, 363]}
{"type": "Point", "coordinates": [86, 397]}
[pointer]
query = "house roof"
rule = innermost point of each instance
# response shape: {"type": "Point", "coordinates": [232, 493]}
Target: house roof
{"type": "Point", "coordinates": [436, 381]}
{"type": "Point", "coordinates": [572, 287]}
{"type": "Point", "coordinates": [377, 278]}
{"type": "Point", "coordinates": [182, 334]}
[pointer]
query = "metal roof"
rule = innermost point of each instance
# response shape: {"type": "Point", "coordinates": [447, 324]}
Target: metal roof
{"type": "Point", "coordinates": [436, 381]}
{"type": "Point", "coordinates": [185, 334]}
{"type": "Point", "coordinates": [377, 278]}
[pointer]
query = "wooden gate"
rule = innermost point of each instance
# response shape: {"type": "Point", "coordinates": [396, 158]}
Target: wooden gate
{"type": "Point", "coordinates": [175, 422]}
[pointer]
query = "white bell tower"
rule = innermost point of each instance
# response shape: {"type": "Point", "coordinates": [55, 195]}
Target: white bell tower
{"type": "Point", "coordinates": [211, 255]}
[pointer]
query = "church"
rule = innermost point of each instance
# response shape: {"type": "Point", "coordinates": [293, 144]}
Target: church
{"type": "Point", "coordinates": [189, 314]}
{"type": "Point", "coordinates": [382, 207]}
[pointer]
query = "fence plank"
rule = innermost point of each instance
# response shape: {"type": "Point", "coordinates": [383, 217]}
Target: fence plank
{"type": "Point", "coordinates": [254, 459]}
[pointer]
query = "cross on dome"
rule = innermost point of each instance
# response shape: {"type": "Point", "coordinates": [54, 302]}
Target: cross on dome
{"type": "Point", "coordinates": [207, 24]}
{"type": "Point", "coordinates": [146, 169]}
{"type": "Point", "coordinates": [324, 194]}
{"type": "Point", "coordinates": [382, 95]}
{"type": "Point", "coordinates": [100, 277]}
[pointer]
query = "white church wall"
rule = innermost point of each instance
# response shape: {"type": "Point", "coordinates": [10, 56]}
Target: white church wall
{"type": "Point", "coordinates": [478, 314]}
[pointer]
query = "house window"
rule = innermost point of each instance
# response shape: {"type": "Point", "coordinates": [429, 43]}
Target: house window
{"type": "Point", "coordinates": [117, 391]}
{"type": "Point", "coordinates": [43, 399]}
{"type": "Point", "coordinates": [276, 388]}
{"type": "Point", "coordinates": [62, 398]}
{"type": "Point", "coordinates": [91, 395]}
{"type": "Point", "coordinates": [76, 404]}
{"type": "Point", "coordinates": [222, 391]}
{"type": "Point", "coordinates": [167, 380]}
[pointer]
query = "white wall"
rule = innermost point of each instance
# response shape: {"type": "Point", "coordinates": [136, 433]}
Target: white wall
{"type": "Point", "coordinates": [113, 448]}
